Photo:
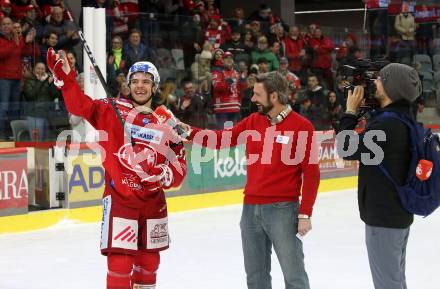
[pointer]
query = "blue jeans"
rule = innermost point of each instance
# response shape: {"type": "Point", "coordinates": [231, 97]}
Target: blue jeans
{"type": "Point", "coordinates": [267, 225]}
{"type": "Point", "coordinates": [42, 126]}
{"type": "Point", "coordinates": [9, 103]}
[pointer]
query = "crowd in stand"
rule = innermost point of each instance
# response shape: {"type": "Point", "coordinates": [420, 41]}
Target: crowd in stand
{"type": "Point", "coordinates": [207, 63]}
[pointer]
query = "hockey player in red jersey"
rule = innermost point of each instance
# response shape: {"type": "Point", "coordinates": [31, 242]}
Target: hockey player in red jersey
{"type": "Point", "coordinates": [138, 166]}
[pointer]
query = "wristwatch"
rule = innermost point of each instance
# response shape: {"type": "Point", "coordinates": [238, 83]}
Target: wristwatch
{"type": "Point", "coordinates": [303, 216]}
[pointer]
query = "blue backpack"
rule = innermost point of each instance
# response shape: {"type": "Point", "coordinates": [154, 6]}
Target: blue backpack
{"type": "Point", "coordinates": [417, 196]}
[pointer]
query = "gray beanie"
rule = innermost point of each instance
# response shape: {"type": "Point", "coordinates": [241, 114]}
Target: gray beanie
{"type": "Point", "coordinates": [401, 81]}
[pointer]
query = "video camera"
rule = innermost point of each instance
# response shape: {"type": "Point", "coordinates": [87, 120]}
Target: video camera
{"type": "Point", "coordinates": [364, 72]}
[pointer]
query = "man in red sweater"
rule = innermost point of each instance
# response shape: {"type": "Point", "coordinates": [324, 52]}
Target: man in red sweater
{"type": "Point", "coordinates": [134, 223]}
{"type": "Point", "coordinates": [12, 49]}
{"type": "Point", "coordinates": [282, 181]}
{"type": "Point", "coordinates": [322, 47]}
{"type": "Point", "coordinates": [295, 49]}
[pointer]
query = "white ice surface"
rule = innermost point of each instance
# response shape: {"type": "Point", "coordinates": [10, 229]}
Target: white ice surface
{"type": "Point", "coordinates": [206, 252]}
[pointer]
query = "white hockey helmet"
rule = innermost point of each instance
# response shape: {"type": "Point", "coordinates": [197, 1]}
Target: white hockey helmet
{"type": "Point", "coordinates": [146, 67]}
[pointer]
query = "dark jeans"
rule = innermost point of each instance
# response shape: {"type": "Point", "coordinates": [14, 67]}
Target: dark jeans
{"type": "Point", "coordinates": [9, 103]}
{"type": "Point", "coordinates": [267, 225]}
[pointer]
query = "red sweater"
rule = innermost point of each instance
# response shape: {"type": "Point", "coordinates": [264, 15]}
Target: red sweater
{"type": "Point", "coordinates": [279, 174]}
{"type": "Point", "coordinates": [11, 55]}
{"type": "Point", "coordinates": [323, 48]}
{"type": "Point", "coordinates": [226, 96]}
{"type": "Point", "coordinates": [293, 49]}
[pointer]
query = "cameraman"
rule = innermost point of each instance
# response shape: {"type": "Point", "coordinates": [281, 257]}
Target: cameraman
{"type": "Point", "coordinates": [387, 222]}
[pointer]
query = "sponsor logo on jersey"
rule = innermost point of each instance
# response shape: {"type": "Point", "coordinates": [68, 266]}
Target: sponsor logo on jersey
{"type": "Point", "coordinates": [106, 208]}
{"type": "Point", "coordinates": [124, 233]}
{"type": "Point", "coordinates": [146, 134]}
{"type": "Point", "coordinates": [157, 233]}
{"type": "Point", "coordinates": [132, 182]}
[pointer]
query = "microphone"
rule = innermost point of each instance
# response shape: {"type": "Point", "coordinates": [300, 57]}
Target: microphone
{"type": "Point", "coordinates": [166, 116]}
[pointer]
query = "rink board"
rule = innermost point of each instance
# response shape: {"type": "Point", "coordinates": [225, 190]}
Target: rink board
{"type": "Point", "coordinates": [44, 219]}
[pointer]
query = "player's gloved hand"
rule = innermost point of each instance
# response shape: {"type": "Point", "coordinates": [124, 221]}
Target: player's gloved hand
{"type": "Point", "coordinates": [144, 163]}
{"type": "Point", "coordinates": [161, 174]}
{"type": "Point", "coordinates": [60, 67]}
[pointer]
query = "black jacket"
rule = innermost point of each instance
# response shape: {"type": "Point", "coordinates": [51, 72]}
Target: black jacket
{"type": "Point", "coordinates": [379, 203]}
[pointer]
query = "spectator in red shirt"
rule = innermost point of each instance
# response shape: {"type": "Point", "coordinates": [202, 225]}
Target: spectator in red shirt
{"type": "Point", "coordinates": [217, 60]}
{"type": "Point", "coordinates": [226, 96]}
{"type": "Point", "coordinates": [21, 7]}
{"type": "Point", "coordinates": [125, 15]}
{"type": "Point", "coordinates": [322, 47]}
{"type": "Point", "coordinates": [217, 32]}
{"type": "Point", "coordinates": [12, 48]}
{"type": "Point", "coordinates": [5, 9]}
{"type": "Point", "coordinates": [294, 46]}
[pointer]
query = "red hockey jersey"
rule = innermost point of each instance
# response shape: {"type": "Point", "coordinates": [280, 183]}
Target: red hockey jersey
{"type": "Point", "coordinates": [123, 174]}
{"type": "Point", "coordinates": [226, 93]}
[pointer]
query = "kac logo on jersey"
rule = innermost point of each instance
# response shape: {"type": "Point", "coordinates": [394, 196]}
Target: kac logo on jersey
{"type": "Point", "coordinates": [133, 161]}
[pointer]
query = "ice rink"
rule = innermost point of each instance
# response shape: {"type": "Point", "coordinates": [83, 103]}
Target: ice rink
{"type": "Point", "coordinates": [206, 252]}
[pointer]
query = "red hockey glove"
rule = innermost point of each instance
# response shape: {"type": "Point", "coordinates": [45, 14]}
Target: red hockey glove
{"type": "Point", "coordinates": [161, 174]}
{"type": "Point", "coordinates": [60, 67]}
{"type": "Point", "coordinates": [144, 163]}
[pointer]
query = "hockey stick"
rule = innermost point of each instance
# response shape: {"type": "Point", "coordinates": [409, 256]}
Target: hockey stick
{"type": "Point", "coordinates": [95, 65]}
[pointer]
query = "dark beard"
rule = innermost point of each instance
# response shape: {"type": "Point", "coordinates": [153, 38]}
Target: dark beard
{"type": "Point", "coordinates": [265, 109]}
